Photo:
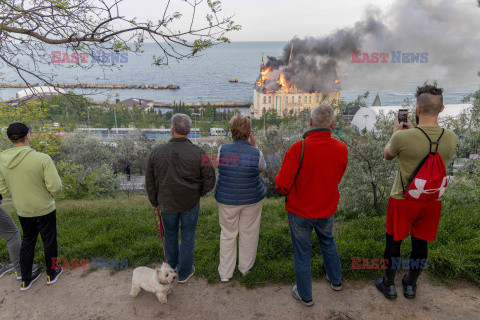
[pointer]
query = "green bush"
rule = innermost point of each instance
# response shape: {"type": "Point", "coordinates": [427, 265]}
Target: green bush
{"type": "Point", "coordinates": [79, 183]}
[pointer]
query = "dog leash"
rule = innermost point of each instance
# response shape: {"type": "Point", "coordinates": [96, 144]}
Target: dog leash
{"type": "Point", "coordinates": [160, 229]}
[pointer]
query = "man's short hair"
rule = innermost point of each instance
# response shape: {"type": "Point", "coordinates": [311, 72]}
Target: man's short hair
{"type": "Point", "coordinates": [181, 124]}
{"type": "Point", "coordinates": [322, 116]}
{"type": "Point", "coordinates": [240, 126]}
{"type": "Point", "coordinates": [430, 98]}
{"type": "Point", "coordinates": [16, 132]}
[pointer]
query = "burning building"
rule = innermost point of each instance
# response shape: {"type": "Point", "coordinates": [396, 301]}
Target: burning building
{"type": "Point", "coordinates": [292, 84]}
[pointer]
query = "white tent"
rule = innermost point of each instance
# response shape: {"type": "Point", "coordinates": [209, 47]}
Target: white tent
{"type": "Point", "coordinates": [367, 117]}
{"type": "Point", "coordinates": [39, 91]}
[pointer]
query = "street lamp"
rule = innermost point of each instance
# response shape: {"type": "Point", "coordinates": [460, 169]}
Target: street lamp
{"type": "Point", "coordinates": [366, 117]}
{"type": "Point", "coordinates": [195, 114]}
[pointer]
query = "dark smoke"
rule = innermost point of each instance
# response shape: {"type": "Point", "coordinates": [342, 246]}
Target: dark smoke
{"type": "Point", "coordinates": [448, 31]}
{"type": "Point", "coordinates": [314, 67]}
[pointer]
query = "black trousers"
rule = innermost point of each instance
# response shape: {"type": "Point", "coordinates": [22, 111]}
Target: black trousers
{"type": "Point", "coordinates": [392, 249]}
{"type": "Point", "coordinates": [47, 227]}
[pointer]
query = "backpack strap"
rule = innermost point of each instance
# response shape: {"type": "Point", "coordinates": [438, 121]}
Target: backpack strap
{"type": "Point", "coordinates": [302, 152]}
{"type": "Point", "coordinates": [401, 179]}
{"type": "Point", "coordinates": [436, 143]}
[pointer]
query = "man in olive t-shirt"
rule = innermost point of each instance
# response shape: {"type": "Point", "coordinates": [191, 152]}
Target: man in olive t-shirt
{"type": "Point", "coordinates": [410, 146]}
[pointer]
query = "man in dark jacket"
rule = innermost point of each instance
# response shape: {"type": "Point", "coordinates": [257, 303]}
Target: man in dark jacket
{"type": "Point", "coordinates": [178, 174]}
{"type": "Point", "coordinates": [312, 199]}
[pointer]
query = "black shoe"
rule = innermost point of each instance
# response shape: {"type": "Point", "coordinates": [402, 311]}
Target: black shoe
{"type": "Point", "coordinates": [54, 277]}
{"type": "Point", "coordinates": [388, 291]}
{"type": "Point", "coordinates": [27, 284]}
{"type": "Point", "coordinates": [19, 275]}
{"type": "Point", "coordinates": [409, 290]}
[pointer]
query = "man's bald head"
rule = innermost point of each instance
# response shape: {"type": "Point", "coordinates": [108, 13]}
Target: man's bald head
{"type": "Point", "coordinates": [430, 99]}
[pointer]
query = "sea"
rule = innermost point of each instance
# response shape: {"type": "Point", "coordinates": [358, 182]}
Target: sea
{"type": "Point", "coordinates": [206, 78]}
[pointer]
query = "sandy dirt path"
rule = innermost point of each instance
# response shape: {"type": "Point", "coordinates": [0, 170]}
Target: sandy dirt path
{"type": "Point", "coordinates": [99, 295]}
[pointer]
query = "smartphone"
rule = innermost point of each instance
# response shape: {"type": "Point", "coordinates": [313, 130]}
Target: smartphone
{"type": "Point", "coordinates": [403, 115]}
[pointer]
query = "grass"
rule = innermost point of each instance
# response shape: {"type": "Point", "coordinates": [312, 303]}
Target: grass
{"type": "Point", "coordinates": [124, 228]}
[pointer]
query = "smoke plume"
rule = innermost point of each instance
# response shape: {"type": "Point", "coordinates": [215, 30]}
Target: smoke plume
{"type": "Point", "coordinates": [448, 31]}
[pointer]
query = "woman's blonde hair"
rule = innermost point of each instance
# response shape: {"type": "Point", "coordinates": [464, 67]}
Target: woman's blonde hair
{"type": "Point", "coordinates": [240, 126]}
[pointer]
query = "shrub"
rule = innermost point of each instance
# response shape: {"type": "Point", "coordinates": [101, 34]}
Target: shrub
{"type": "Point", "coordinates": [79, 183]}
{"type": "Point", "coordinates": [86, 170]}
{"type": "Point", "coordinates": [86, 151]}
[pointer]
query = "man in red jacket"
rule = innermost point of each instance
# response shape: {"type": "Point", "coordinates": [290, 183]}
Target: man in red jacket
{"type": "Point", "coordinates": [312, 199]}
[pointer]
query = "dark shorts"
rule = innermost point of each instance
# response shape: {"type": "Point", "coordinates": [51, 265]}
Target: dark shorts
{"type": "Point", "coordinates": [405, 216]}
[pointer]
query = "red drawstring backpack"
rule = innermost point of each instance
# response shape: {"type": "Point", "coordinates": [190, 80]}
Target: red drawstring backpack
{"type": "Point", "coordinates": [429, 180]}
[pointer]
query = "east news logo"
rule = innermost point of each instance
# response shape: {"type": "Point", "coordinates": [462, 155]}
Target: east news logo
{"type": "Point", "coordinates": [82, 57]}
{"type": "Point", "coordinates": [383, 57]}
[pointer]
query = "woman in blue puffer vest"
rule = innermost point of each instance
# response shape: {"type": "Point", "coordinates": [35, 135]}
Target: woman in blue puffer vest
{"type": "Point", "coordinates": [239, 193]}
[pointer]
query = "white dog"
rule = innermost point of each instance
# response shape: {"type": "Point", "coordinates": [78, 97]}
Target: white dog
{"type": "Point", "coordinates": [158, 281]}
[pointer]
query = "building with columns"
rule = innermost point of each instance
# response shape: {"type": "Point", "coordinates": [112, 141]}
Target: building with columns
{"type": "Point", "coordinates": [287, 100]}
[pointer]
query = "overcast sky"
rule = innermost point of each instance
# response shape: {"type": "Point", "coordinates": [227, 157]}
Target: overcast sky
{"type": "Point", "coordinates": [274, 20]}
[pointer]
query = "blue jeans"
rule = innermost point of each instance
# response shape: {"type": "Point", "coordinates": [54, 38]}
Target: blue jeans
{"type": "Point", "coordinates": [301, 232]}
{"type": "Point", "coordinates": [183, 258]}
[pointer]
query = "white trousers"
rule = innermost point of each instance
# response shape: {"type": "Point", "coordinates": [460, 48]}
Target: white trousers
{"type": "Point", "coordinates": [238, 220]}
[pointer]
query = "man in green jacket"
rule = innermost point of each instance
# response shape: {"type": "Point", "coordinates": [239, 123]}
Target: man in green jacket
{"type": "Point", "coordinates": [32, 181]}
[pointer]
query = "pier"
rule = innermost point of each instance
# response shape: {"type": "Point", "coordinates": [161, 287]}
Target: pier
{"type": "Point", "coordinates": [93, 86]}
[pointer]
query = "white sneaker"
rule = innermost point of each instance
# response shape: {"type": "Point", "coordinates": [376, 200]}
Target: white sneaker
{"type": "Point", "coordinates": [224, 279]}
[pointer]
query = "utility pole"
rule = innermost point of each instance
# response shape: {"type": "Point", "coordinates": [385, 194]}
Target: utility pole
{"type": "Point", "coordinates": [115, 115]}
{"type": "Point", "coordinates": [88, 118]}
{"type": "Point", "coordinates": [264, 124]}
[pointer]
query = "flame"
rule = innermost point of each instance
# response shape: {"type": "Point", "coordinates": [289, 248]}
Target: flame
{"type": "Point", "coordinates": [283, 82]}
{"type": "Point", "coordinates": [267, 76]}
{"type": "Point", "coordinates": [264, 73]}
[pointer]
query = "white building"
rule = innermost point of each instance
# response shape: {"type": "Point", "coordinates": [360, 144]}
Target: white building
{"type": "Point", "coordinates": [42, 92]}
{"type": "Point", "coordinates": [287, 99]}
{"type": "Point", "coordinates": [367, 117]}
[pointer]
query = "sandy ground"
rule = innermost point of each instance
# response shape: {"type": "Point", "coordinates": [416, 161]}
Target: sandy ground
{"type": "Point", "coordinates": [99, 295]}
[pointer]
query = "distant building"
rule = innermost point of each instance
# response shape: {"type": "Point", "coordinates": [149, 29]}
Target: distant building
{"type": "Point", "coordinates": [285, 98]}
{"type": "Point", "coordinates": [36, 94]}
{"type": "Point", "coordinates": [242, 107]}
{"type": "Point", "coordinates": [366, 117]}
{"type": "Point", "coordinates": [142, 104]}
{"type": "Point", "coordinates": [376, 102]}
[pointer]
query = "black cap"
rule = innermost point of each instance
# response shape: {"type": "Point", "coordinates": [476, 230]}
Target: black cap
{"type": "Point", "coordinates": [17, 131]}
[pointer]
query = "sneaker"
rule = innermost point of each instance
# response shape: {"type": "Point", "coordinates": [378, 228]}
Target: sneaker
{"type": "Point", "coordinates": [335, 287]}
{"type": "Point", "coordinates": [27, 284]}
{"type": "Point", "coordinates": [183, 281]}
{"type": "Point", "coordinates": [409, 291]}
{"type": "Point", "coordinates": [54, 277]}
{"type": "Point", "coordinates": [19, 275]}
{"type": "Point", "coordinates": [295, 294]}
{"type": "Point", "coordinates": [5, 268]}
{"type": "Point", "coordinates": [224, 279]}
{"type": "Point", "coordinates": [388, 291]}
